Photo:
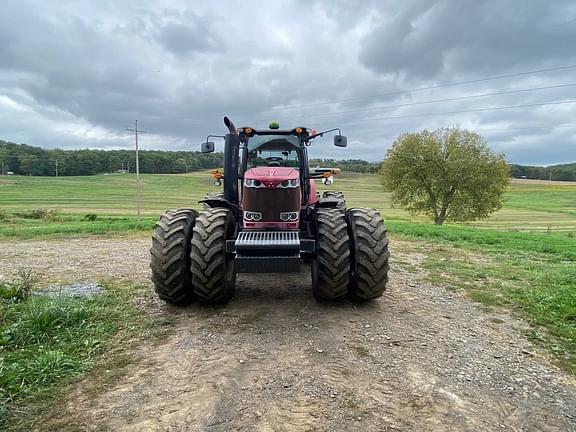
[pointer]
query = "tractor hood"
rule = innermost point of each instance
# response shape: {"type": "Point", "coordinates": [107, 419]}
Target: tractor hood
{"type": "Point", "coordinates": [271, 176]}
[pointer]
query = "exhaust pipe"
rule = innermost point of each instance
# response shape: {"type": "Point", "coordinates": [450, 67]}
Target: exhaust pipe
{"type": "Point", "coordinates": [231, 152]}
{"type": "Point", "coordinates": [230, 126]}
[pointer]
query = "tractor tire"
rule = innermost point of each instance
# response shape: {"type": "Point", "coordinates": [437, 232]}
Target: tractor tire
{"type": "Point", "coordinates": [368, 254]}
{"type": "Point", "coordinates": [170, 256]}
{"type": "Point", "coordinates": [331, 268]}
{"type": "Point", "coordinates": [336, 196]}
{"type": "Point", "coordinates": [213, 275]}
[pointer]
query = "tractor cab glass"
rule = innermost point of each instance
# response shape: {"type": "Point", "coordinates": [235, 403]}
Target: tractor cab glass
{"type": "Point", "coordinates": [273, 151]}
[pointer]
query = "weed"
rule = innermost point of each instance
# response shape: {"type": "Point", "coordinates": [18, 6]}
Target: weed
{"type": "Point", "coordinates": [50, 366]}
{"type": "Point", "coordinates": [38, 213]}
{"type": "Point", "coordinates": [21, 288]}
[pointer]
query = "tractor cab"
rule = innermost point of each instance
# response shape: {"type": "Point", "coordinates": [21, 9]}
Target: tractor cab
{"type": "Point", "coordinates": [272, 173]}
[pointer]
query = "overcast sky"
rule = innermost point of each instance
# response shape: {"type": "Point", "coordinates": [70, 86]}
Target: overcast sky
{"type": "Point", "coordinates": [75, 74]}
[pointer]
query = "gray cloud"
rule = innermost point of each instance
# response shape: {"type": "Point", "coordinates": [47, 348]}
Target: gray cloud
{"type": "Point", "coordinates": [76, 74]}
{"type": "Point", "coordinates": [186, 32]}
{"type": "Point", "coordinates": [427, 39]}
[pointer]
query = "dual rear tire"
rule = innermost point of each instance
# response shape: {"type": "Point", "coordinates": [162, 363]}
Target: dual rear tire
{"type": "Point", "coordinates": [352, 251]}
{"type": "Point", "coordinates": [188, 256]}
{"type": "Point", "coordinates": [170, 256]}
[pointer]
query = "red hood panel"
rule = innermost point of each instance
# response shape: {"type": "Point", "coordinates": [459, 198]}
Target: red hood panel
{"type": "Point", "coordinates": [273, 174]}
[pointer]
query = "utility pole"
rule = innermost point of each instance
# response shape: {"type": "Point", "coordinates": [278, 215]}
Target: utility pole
{"type": "Point", "coordinates": [136, 132]}
{"type": "Point", "coordinates": [56, 167]}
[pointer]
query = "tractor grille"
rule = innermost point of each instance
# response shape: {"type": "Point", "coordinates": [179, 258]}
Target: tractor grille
{"type": "Point", "coordinates": [268, 239]}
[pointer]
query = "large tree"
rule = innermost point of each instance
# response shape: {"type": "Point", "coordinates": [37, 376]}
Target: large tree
{"type": "Point", "coordinates": [449, 174]}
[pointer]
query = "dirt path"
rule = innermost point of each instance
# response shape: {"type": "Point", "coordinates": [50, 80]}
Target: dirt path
{"type": "Point", "coordinates": [419, 359]}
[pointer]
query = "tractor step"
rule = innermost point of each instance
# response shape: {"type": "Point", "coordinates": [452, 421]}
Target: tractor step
{"type": "Point", "coordinates": [269, 251]}
{"type": "Point", "coordinates": [267, 239]}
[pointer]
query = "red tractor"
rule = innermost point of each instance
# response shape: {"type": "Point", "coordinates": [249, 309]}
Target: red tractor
{"type": "Point", "coordinates": [269, 219]}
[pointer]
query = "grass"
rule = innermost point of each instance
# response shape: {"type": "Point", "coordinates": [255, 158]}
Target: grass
{"type": "Point", "coordinates": [48, 342]}
{"type": "Point", "coordinates": [103, 194]}
{"type": "Point", "coordinates": [556, 246]}
{"type": "Point", "coordinates": [532, 275]}
{"type": "Point", "coordinates": [14, 225]}
{"type": "Point", "coordinates": [528, 206]}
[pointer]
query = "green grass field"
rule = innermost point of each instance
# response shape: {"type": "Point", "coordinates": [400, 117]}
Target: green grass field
{"type": "Point", "coordinates": [528, 206]}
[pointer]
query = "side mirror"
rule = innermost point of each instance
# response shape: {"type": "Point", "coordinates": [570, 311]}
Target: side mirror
{"type": "Point", "coordinates": [340, 141]}
{"type": "Point", "coordinates": [207, 147]}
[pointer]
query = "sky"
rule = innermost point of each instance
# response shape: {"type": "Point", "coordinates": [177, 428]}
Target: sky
{"type": "Point", "coordinates": [75, 74]}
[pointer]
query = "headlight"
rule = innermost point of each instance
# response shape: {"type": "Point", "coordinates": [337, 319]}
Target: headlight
{"type": "Point", "coordinates": [251, 183]}
{"type": "Point", "coordinates": [289, 216]}
{"type": "Point", "coordinates": [287, 184]}
{"type": "Point", "coordinates": [252, 216]}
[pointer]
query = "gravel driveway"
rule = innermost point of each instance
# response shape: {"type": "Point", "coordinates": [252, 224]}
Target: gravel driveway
{"type": "Point", "coordinates": [419, 359]}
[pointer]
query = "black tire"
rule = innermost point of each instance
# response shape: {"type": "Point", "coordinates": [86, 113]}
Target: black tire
{"type": "Point", "coordinates": [331, 268]}
{"type": "Point", "coordinates": [336, 196]}
{"type": "Point", "coordinates": [170, 256]}
{"type": "Point", "coordinates": [368, 254]}
{"type": "Point", "coordinates": [213, 275]}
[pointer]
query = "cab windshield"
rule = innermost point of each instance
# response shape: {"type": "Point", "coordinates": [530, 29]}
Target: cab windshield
{"type": "Point", "coordinates": [273, 150]}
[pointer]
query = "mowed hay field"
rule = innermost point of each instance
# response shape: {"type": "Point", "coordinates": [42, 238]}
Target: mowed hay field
{"type": "Point", "coordinates": [528, 206]}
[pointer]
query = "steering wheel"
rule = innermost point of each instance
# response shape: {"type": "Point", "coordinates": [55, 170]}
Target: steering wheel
{"type": "Point", "coordinates": [274, 161]}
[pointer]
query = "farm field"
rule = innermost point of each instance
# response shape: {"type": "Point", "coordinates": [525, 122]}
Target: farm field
{"type": "Point", "coordinates": [519, 265]}
{"type": "Point", "coordinates": [528, 206]}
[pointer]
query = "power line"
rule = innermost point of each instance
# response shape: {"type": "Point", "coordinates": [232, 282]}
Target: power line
{"type": "Point", "coordinates": [526, 128]}
{"type": "Point", "coordinates": [458, 112]}
{"type": "Point", "coordinates": [437, 86]}
{"type": "Point", "coordinates": [431, 101]}
{"type": "Point", "coordinates": [562, 126]}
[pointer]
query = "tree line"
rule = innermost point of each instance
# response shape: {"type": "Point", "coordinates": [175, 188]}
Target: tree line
{"type": "Point", "coordinates": [351, 165]}
{"type": "Point", "coordinates": [566, 172]}
{"type": "Point", "coordinates": [23, 159]}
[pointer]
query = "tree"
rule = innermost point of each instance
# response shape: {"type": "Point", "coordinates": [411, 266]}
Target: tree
{"type": "Point", "coordinates": [449, 174]}
{"type": "Point", "coordinates": [27, 163]}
